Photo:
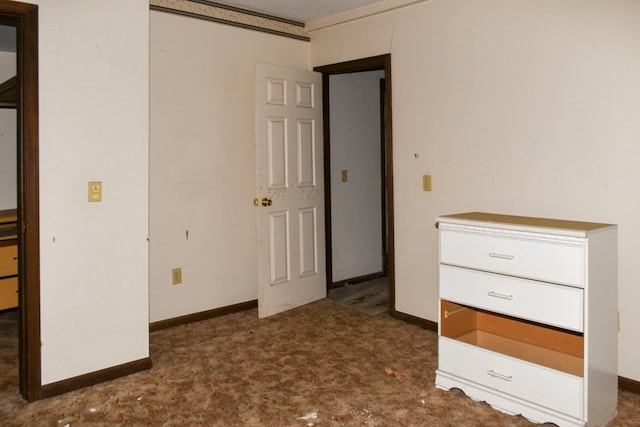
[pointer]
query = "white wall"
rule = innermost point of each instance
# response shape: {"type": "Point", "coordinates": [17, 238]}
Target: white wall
{"type": "Point", "coordinates": [8, 135]}
{"type": "Point", "coordinates": [93, 89]}
{"type": "Point", "coordinates": [356, 221]}
{"type": "Point", "coordinates": [203, 172]}
{"type": "Point", "coordinates": [526, 108]}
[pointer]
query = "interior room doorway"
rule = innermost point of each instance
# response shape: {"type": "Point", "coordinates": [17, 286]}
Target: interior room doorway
{"type": "Point", "coordinates": [24, 18]}
{"type": "Point", "coordinates": [335, 177]}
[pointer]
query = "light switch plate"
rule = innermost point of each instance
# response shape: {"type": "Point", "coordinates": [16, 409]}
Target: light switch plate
{"type": "Point", "coordinates": [426, 182]}
{"type": "Point", "coordinates": [176, 276]}
{"type": "Point", "coordinates": [344, 176]}
{"type": "Point", "coordinates": [95, 191]}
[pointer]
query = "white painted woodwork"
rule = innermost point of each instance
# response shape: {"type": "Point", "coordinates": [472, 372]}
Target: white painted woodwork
{"type": "Point", "coordinates": [550, 260]}
{"type": "Point", "coordinates": [546, 387]}
{"type": "Point", "coordinates": [279, 244]}
{"type": "Point", "coordinates": [306, 154]}
{"type": "Point", "coordinates": [527, 373]}
{"type": "Point", "coordinates": [307, 233]}
{"type": "Point", "coordinates": [542, 302]}
{"type": "Point", "coordinates": [291, 259]}
{"type": "Point", "coordinates": [277, 166]}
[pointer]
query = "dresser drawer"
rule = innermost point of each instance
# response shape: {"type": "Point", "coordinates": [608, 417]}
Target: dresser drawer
{"type": "Point", "coordinates": [555, 305]}
{"type": "Point", "coordinates": [556, 262]}
{"type": "Point", "coordinates": [8, 260]}
{"type": "Point", "coordinates": [8, 293]}
{"type": "Point", "coordinates": [543, 386]}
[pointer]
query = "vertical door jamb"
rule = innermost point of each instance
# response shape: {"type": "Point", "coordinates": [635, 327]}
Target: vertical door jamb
{"type": "Point", "coordinates": [25, 18]}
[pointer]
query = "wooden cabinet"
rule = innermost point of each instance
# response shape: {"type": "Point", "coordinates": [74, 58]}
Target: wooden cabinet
{"type": "Point", "coordinates": [528, 315]}
{"type": "Point", "coordinates": [8, 260]}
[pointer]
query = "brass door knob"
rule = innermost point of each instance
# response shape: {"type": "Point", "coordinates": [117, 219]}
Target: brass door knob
{"type": "Point", "coordinates": [266, 202]}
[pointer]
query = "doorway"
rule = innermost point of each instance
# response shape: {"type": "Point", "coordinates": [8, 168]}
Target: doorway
{"type": "Point", "coordinates": [24, 18]}
{"type": "Point", "coordinates": [380, 63]}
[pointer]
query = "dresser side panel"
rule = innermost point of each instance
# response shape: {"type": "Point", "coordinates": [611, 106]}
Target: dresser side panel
{"type": "Point", "coordinates": [601, 336]}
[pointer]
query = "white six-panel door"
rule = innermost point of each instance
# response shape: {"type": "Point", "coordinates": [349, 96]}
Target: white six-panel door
{"type": "Point", "coordinates": [290, 196]}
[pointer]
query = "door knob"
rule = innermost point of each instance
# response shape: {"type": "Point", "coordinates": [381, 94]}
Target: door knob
{"type": "Point", "coordinates": [266, 202]}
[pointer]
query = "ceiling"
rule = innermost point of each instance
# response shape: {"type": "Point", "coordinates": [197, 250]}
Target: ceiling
{"type": "Point", "coordinates": [298, 10]}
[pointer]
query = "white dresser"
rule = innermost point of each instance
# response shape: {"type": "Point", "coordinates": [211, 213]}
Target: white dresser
{"type": "Point", "coordinates": [528, 315]}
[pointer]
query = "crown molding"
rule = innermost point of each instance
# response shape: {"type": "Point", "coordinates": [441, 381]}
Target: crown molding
{"type": "Point", "coordinates": [229, 15]}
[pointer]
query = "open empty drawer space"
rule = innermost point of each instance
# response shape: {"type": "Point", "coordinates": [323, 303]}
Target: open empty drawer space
{"type": "Point", "coordinates": [543, 345]}
{"type": "Point", "coordinates": [8, 293]}
{"type": "Point", "coordinates": [8, 258]}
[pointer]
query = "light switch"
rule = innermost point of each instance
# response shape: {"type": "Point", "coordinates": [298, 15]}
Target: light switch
{"type": "Point", "coordinates": [176, 276]}
{"type": "Point", "coordinates": [95, 191]}
{"type": "Point", "coordinates": [426, 182]}
{"type": "Point", "coordinates": [344, 175]}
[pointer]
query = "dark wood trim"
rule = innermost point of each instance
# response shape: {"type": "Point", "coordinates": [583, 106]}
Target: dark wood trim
{"type": "Point", "coordinates": [203, 315]}
{"type": "Point", "coordinates": [372, 63]}
{"type": "Point", "coordinates": [86, 380]}
{"type": "Point", "coordinates": [25, 18]}
{"type": "Point", "coordinates": [326, 153]}
{"type": "Point", "coordinates": [227, 22]}
{"type": "Point", "coordinates": [380, 62]}
{"type": "Point", "coordinates": [383, 174]}
{"type": "Point", "coordinates": [248, 12]}
{"type": "Point", "coordinates": [356, 280]}
{"type": "Point", "coordinates": [390, 202]}
{"type": "Point", "coordinates": [626, 384]}
{"type": "Point", "coordinates": [418, 321]}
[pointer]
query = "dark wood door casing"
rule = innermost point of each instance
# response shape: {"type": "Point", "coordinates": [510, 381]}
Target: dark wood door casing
{"type": "Point", "coordinates": [24, 17]}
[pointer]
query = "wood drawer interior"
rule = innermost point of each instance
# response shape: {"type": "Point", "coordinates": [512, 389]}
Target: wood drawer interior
{"type": "Point", "coordinates": [8, 258]}
{"type": "Point", "coordinates": [543, 345]}
{"type": "Point", "coordinates": [8, 293]}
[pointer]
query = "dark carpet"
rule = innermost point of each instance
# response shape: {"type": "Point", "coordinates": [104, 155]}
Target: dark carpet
{"type": "Point", "coordinates": [320, 365]}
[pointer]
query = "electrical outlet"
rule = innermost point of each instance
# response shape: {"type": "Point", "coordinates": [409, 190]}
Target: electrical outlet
{"type": "Point", "coordinates": [176, 276]}
{"type": "Point", "coordinates": [426, 182]}
{"type": "Point", "coordinates": [344, 176]}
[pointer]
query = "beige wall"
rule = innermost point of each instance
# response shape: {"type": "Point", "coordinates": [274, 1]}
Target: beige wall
{"type": "Point", "coordinates": [526, 108]}
{"type": "Point", "coordinates": [93, 89]}
{"type": "Point", "coordinates": [203, 172]}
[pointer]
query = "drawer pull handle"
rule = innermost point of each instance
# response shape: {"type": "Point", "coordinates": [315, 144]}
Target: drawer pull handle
{"type": "Point", "coordinates": [499, 295]}
{"type": "Point", "coordinates": [498, 375]}
{"type": "Point", "coordinates": [501, 256]}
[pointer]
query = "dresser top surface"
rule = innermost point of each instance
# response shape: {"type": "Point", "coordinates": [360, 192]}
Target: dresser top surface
{"type": "Point", "coordinates": [489, 219]}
